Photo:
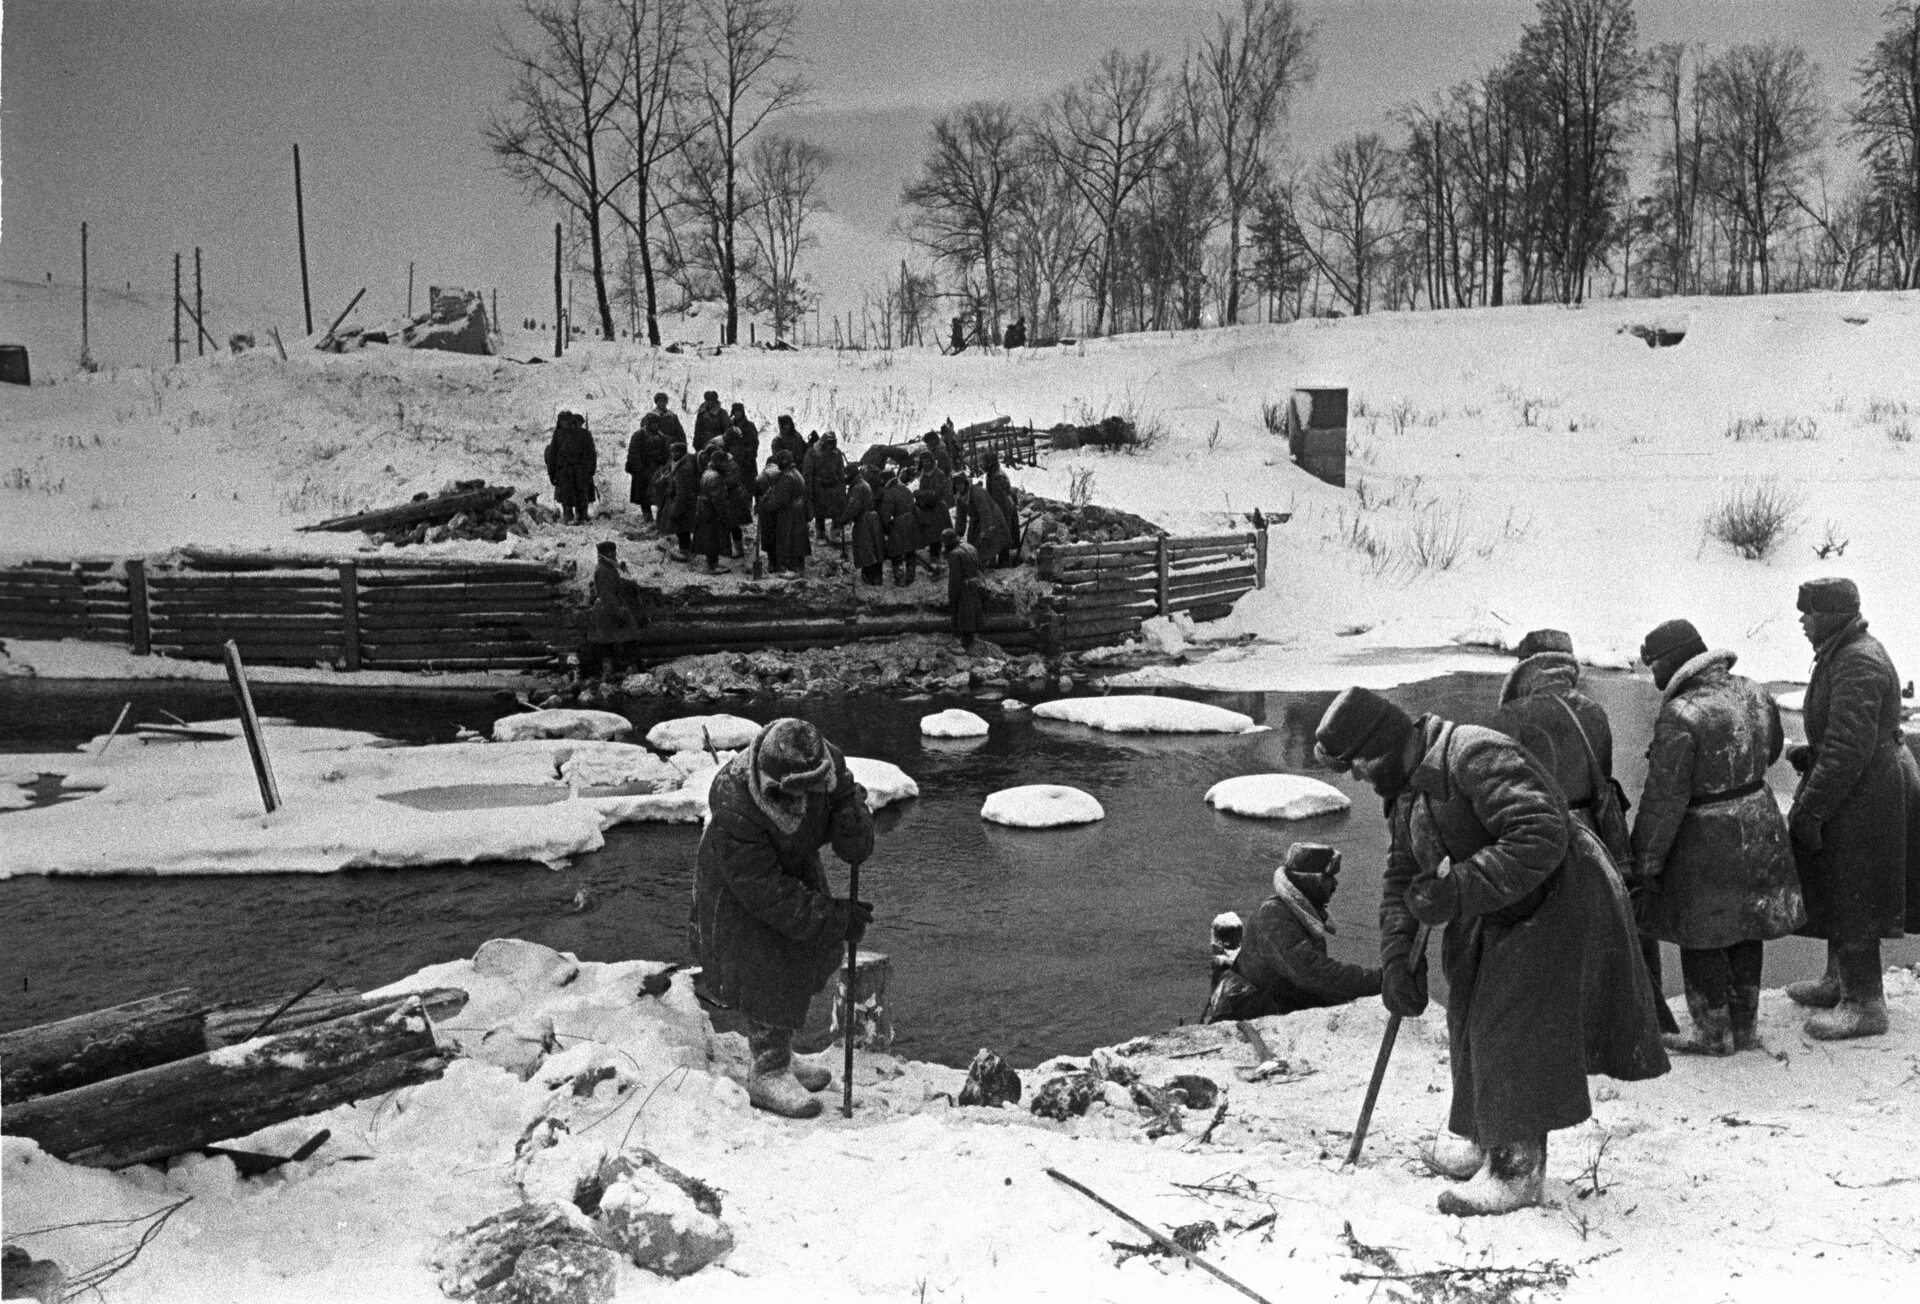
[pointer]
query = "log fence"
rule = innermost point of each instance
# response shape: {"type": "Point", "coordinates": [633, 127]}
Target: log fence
{"type": "Point", "coordinates": [388, 614]}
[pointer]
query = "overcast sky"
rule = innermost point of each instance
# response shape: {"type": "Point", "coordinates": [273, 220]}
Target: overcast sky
{"type": "Point", "coordinates": [170, 123]}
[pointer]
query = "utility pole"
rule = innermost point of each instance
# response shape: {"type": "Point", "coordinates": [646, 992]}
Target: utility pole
{"type": "Point", "coordinates": [300, 222]}
{"type": "Point", "coordinates": [86, 357]}
{"type": "Point", "coordinates": [199, 308]}
{"type": "Point", "coordinates": [176, 310]}
{"type": "Point", "coordinates": [559, 325]}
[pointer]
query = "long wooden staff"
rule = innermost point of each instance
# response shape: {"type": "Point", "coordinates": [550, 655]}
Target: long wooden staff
{"type": "Point", "coordinates": [846, 1016]}
{"type": "Point", "coordinates": [1380, 1065]}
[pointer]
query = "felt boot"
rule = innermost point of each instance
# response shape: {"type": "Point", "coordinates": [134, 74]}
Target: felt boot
{"type": "Point", "coordinates": [1511, 1179]}
{"type": "Point", "coordinates": [1822, 993]}
{"type": "Point", "coordinates": [781, 1093]}
{"type": "Point", "coordinates": [1711, 1034]}
{"type": "Point", "coordinates": [814, 1077]}
{"type": "Point", "coordinates": [1862, 1008]}
{"type": "Point", "coordinates": [1452, 1156]}
{"type": "Point", "coordinates": [1743, 1014]}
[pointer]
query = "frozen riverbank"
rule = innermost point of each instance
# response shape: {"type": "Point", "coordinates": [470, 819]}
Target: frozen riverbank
{"type": "Point", "coordinates": [1761, 1177]}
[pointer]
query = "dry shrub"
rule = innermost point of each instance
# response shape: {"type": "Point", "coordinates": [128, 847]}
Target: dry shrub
{"type": "Point", "coordinates": [1755, 518]}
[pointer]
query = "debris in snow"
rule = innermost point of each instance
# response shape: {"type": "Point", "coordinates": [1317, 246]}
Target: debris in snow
{"type": "Point", "coordinates": [657, 1222]}
{"type": "Point", "coordinates": [1065, 1096]}
{"type": "Point", "coordinates": [954, 723]}
{"type": "Point", "coordinates": [693, 733]}
{"type": "Point", "coordinates": [1276, 797]}
{"type": "Point", "coordinates": [1138, 713]}
{"type": "Point", "coordinates": [545, 1252]}
{"type": "Point", "coordinates": [990, 1082]}
{"type": "Point", "coordinates": [560, 724]}
{"type": "Point", "coordinates": [1041, 806]}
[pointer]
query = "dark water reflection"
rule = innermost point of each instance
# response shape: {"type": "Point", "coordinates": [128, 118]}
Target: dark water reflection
{"type": "Point", "coordinates": [1033, 943]}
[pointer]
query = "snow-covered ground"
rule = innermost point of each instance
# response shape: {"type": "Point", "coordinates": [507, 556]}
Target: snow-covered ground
{"type": "Point", "coordinates": [1552, 469]}
{"type": "Point", "coordinates": [1755, 1178]}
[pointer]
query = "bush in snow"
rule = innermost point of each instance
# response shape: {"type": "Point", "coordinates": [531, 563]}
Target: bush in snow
{"type": "Point", "coordinates": [1755, 518]}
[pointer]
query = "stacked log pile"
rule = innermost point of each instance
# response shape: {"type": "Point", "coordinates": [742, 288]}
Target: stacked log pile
{"type": "Point", "coordinates": [1102, 591]}
{"type": "Point", "coordinates": [65, 599]}
{"type": "Point", "coordinates": [161, 1077]}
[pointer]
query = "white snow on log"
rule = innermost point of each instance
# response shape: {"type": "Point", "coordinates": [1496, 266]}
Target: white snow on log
{"type": "Point", "coordinates": [1276, 797]}
{"type": "Point", "coordinates": [692, 733]}
{"type": "Point", "coordinates": [560, 724]}
{"type": "Point", "coordinates": [1041, 806]}
{"type": "Point", "coordinates": [884, 781]}
{"type": "Point", "coordinates": [1138, 713]}
{"type": "Point", "coordinates": [954, 723]}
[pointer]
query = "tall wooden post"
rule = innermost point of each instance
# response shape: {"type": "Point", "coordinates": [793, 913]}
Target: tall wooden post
{"type": "Point", "coordinates": [350, 611]}
{"type": "Point", "coordinates": [86, 356]}
{"type": "Point", "coordinates": [199, 308]}
{"type": "Point", "coordinates": [250, 726]}
{"type": "Point", "coordinates": [1260, 559]}
{"type": "Point", "coordinates": [300, 223]}
{"type": "Point", "coordinates": [139, 623]}
{"type": "Point", "coordinates": [1165, 578]}
{"type": "Point", "coordinates": [559, 322]}
{"type": "Point", "coordinates": [176, 310]}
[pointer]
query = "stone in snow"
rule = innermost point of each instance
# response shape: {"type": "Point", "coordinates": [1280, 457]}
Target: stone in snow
{"type": "Point", "coordinates": [1041, 806]}
{"type": "Point", "coordinates": [692, 733]}
{"type": "Point", "coordinates": [1138, 713]}
{"type": "Point", "coordinates": [557, 723]}
{"type": "Point", "coordinates": [1276, 797]}
{"type": "Point", "coordinates": [953, 724]}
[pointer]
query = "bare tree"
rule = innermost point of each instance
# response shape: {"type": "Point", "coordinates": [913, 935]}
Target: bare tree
{"type": "Point", "coordinates": [1349, 207]}
{"type": "Point", "coordinates": [1245, 74]}
{"type": "Point", "coordinates": [556, 136]}
{"type": "Point", "coordinates": [1105, 134]}
{"type": "Point", "coordinates": [653, 127]}
{"type": "Point", "coordinates": [1886, 125]}
{"type": "Point", "coordinates": [744, 55]}
{"type": "Point", "coordinates": [1763, 120]}
{"type": "Point", "coordinates": [1050, 239]}
{"type": "Point", "coordinates": [1675, 210]}
{"type": "Point", "coordinates": [783, 181]}
{"type": "Point", "coordinates": [964, 197]}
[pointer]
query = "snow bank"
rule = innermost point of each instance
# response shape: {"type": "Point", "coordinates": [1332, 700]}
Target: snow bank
{"type": "Point", "coordinates": [968, 1208]}
{"type": "Point", "coordinates": [1276, 797]}
{"type": "Point", "coordinates": [692, 733]}
{"type": "Point", "coordinates": [1142, 714]}
{"type": "Point", "coordinates": [954, 723]}
{"type": "Point", "coordinates": [557, 723]}
{"type": "Point", "coordinates": [1041, 806]}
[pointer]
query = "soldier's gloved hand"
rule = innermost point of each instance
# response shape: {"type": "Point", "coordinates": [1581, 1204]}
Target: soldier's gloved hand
{"type": "Point", "coordinates": [1805, 829]}
{"type": "Point", "coordinates": [1403, 986]}
{"type": "Point", "coordinates": [1800, 757]}
{"type": "Point", "coordinates": [859, 915]}
{"type": "Point", "coordinates": [1434, 899]}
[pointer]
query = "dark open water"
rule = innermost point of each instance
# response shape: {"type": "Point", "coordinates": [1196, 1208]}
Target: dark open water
{"type": "Point", "coordinates": [1032, 943]}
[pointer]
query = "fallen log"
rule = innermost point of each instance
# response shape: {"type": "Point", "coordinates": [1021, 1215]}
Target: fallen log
{"type": "Point", "coordinates": [440, 508]}
{"type": "Point", "coordinates": [191, 1103]}
{"type": "Point", "coordinates": [229, 1024]}
{"type": "Point", "coordinates": [50, 1058]}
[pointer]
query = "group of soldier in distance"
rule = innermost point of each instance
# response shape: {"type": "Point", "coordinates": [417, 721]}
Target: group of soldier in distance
{"type": "Point", "coordinates": [1512, 838]}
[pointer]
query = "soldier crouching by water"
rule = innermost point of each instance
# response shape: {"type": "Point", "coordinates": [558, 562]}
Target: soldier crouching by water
{"type": "Point", "coordinates": [1280, 962]}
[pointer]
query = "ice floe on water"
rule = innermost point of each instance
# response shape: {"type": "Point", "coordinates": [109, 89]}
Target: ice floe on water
{"type": "Point", "coordinates": [954, 723]}
{"type": "Point", "coordinates": [1276, 797]}
{"type": "Point", "coordinates": [560, 723]}
{"type": "Point", "coordinates": [1139, 713]}
{"type": "Point", "coordinates": [692, 733]}
{"type": "Point", "coordinates": [1041, 806]}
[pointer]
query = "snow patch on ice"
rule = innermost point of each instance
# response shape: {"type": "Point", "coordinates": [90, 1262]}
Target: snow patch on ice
{"type": "Point", "coordinates": [559, 723]}
{"type": "Point", "coordinates": [1041, 806]}
{"type": "Point", "coordinates": [692, 733]}
{"type": "Point", "coordinates": [1142, 714]}
{"type": "Point", "coordinates": [954, 723]}
{"type": "Point", "coordinates": [1276, 797]}
{"type": "Point", "coordinates": [884, 781]}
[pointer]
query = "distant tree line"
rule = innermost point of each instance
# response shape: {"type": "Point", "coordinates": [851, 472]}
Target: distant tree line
{"type": "Point", "coordinates": [648, 123]}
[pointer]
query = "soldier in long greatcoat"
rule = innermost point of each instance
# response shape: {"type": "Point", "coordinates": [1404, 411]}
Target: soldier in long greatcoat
{"type": "Point", "coordinates": [1481, 843]}
{"type": "Point", "coordinates": [824, 469]}
{"type": "Point", "coordinates": [902, 526]}
{"type": "Point", "coordinates": [1849, 818]}
{"type": "Point", "coordinates": [1000, 488]}
{"type": "Point", "coordinates": [571, 462]}
{"type": "Point", "coordinates": [869, 544]}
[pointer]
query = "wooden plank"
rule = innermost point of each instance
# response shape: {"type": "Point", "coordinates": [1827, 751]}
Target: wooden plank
{"type": "Point", "coordinates": [350, 612]}
{"type": "Point", "coordinates": [475, 593]}
{"type": "Point", "coordinates": [530, 573]}
{"type": "Point", "coordinates": [81, 563]}
{"type": "Point", "coordinates": [141, 630]}
{"type": "Point", "coordinates": [437, 508]}
{"type": "Point", "coordinates": [455, 664]}
{"type": "Point", "coordinates": [187, 1104]}
{"type": "Point", "coordinates": [1191, 541]}
{"type": "Point", "coordinates": [53, 1057]}
{"type": "Point", "coordinates": [238, 1022]}
{"type": "Point", "coordinates": [427, 649]}
{"type": "Point", "coordinates": [1145, 543]}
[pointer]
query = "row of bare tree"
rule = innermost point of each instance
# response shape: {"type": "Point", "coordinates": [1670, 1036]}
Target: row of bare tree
{"type": "Point", "coordinates": [647, 121]}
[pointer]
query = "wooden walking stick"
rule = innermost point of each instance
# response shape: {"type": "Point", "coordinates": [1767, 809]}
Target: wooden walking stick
{"type": "Point", "coordinates": [846, 1015]}
{"type": "Point", "coordinates": [1161, 1239]}
{"type": "Point", "coordinates": [1380, 1065]}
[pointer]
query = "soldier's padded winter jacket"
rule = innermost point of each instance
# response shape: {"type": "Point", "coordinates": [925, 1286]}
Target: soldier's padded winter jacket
{"type": "Point", "coordinates": [614, 615]}
{"type": "Point", "coordinates": [1531, 1010]}
{"type": "Point", "coordinates": [765, 929]}
{"type": "Point", "coordinates": [824, 469]}
{"type": "Point", "coordinates": [1856, 788]}
{"type": "Point", "coordinates": [1718, 866]}
{"type": "Point", "coordinates": [1530, 713]}
{"type": "Point", "coordinates": [571, 461]}
{"type": "Point", "coordinates": [869, 548]}
{"type": "Point", "coordinates": [898, 519]}
{"type": "Point", "coordinates": [1283, 953]}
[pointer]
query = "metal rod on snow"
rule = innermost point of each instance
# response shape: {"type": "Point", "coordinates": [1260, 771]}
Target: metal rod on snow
{"type": "Point", "coordinates": [846, 1015]}
{"type": "Point", "coordinates": [1380, 1066]}
{"type": "Point", "coordinates": [1163, 1241]}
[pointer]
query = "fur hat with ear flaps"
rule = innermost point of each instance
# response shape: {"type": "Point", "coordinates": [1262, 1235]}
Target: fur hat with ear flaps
{"type": "Point", "coordinates": [1359, 725]}
{"type": "Point", "coordinates": [1830, 595]}
{"type": "Point", "coordinates": [1543, 640]}
{"type": "Point", "coordinates": [788, 759]}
